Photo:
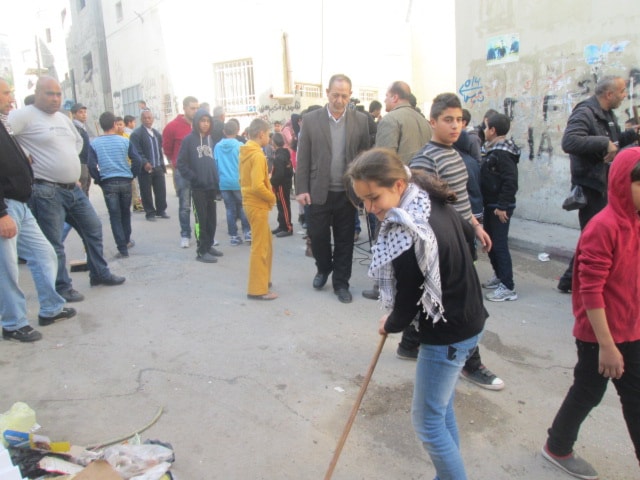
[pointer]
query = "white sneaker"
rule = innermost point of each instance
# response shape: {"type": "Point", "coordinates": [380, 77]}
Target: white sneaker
{"type": "Point", "coordinates": [491, 284]}
{"type": "Point", "coordinates": [501, 294]}
{"type": "Point", "coordinates": [184, 242]}
{"type": "Point", "coordinates": [215, 243]}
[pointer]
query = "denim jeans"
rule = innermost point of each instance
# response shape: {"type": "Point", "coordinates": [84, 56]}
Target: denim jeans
{"type": "Point", "coordinates": [31, 245]}
{"type": "Point", "coordinates": [432, 411]}
{"type": "Point", "coordinates": [183, 189]}
{"type": "Point", "coordinates": [587, 391]}
{"type": "Point", "coordinates": [499, 254]}
{"type": "Point", "coordinates": [233, 205]}
{"type": "Point", "coordinates": [52, 206]}
{"type": "Point", "coordinates": [117, 198]}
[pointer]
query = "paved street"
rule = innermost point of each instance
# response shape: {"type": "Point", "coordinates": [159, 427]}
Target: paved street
{"type": "Point", "coordinates": [262, 390]}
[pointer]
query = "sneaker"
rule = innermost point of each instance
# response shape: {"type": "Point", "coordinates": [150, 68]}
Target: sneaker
{"type": "Point", "coordinates": [277, 230]}
{"type": "Point", "coordinates": [406, 354]}
{"type": "Point", "coordinates": [501, 294]}
{"type": "Point", "coordinates": [235, 241]}
{"type": "Point", "coordinates": [65, 314]}
{"type": "Point", "coordinates": [215, 243]}
{"type": "Point", "coordinates": [492, 284]}
{"type": "Point", "coordinates": [206, 258]}
{"type": "Point", "coordinates": [121, 255]}
{"type": "Point", "coordinates": [110, 280]}
{"type": "Point", "coordinates": [215, 252]}
{"type": "Point", "coordinates": [72, 295]}
{"type": "Point", "coordinates": [284, 233]}
{"type": "Point", "coordinates": [483, 377]}
{"type": "Point", "coordinates": [131, 243]}
{"type": "Point", "coordinates": [184, 242]}
{"type": "Point", "coordinates": [24, 334]}
{"type": "Point", "coordinates": [247, 237]}
{"type": "Point", "coordinates": [572, 464]}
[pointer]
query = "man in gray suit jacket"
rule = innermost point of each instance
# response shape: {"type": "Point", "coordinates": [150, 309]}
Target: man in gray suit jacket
{"type": "Point", "coordinates": [330, 139]}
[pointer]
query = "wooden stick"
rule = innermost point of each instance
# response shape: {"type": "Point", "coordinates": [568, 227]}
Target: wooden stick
{"type": "Point", "coordinates": [354, 410]}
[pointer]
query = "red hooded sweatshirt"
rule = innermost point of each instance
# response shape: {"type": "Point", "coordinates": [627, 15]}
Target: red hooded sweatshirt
{"type": "Point", "coordinates": [606, 273]}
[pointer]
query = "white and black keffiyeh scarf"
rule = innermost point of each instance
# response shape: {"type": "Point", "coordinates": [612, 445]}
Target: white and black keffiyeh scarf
{"type": "Point", "coordinates": [404, 227]}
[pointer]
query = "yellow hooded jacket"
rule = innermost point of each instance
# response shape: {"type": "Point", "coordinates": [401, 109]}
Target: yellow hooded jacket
{"type": "Point", "coordinates": [254, 177]}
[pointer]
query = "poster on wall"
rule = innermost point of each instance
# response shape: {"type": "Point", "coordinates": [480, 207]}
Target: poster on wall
{"type": "Point", "coordinates": [503, 49]}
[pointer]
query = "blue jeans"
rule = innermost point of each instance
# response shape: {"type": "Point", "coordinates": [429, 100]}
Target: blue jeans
{"type": "Point", "coordinates": [233, 205]}
{"type": "Point", "coordinates": [432, 412]}
{"type": "Point", "coordinates": [183, 189]}
{"type": "Point", "coordinates": [31, 245]}
{"type": "Point", "coordinates": [117, 198]}
{"type": "Point", "coordinates": [499, 254]}
{"type": "Point", "coordinates": [52, 206]}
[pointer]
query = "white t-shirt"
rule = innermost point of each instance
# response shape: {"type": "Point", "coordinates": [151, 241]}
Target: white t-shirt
{"type": "Point", "coordinates": [52, 140]}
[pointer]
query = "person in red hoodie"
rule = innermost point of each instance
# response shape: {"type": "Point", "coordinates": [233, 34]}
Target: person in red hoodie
{"type": "Point", "coordinates": [607, 317]}
{"type": "Point", "coordinates": [172, 136]}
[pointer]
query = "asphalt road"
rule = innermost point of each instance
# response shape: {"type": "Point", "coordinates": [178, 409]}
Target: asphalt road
{"type": "Point", "coordinates": [262, 390]}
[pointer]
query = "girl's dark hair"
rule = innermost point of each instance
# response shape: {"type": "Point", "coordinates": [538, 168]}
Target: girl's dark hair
{"type": "Point", "coordinates": [384, 167]}
{"type": "Point", "coordinates": [278, 140]}
{"type": "Point", "coordinates": [635, 173]}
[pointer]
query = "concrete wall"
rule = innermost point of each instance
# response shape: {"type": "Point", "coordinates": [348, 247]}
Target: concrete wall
{"type": "Point", "coordinates": [564, 46]}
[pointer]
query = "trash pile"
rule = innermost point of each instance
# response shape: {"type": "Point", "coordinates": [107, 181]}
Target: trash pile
{"type": "Point", "coordinates": [27, 455]}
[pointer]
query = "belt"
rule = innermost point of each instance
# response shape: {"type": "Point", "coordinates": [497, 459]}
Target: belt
{"type": "Point", "coordinates": [66, 186]}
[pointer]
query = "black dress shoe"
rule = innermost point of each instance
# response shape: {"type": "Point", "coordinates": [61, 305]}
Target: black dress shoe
{"type": "Point", "coordinates": [344, 295]}
{"type": "Point", "coordinates": [162, 215]}
{"type": "Point", "coordinates": [110, 281]}
{"type": "Point", "coordinates": [320, 280]}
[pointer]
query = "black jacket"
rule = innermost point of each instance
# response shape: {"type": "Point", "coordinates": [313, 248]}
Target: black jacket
{"type": "Point", "coordinates": [16, 175]}
{"type": "Point", "coordinates": [499, 175]}
{"type": "Point", "coordinates": [282, 173]}
{"type": "Point", "coordinates": [586, 139]}
{"type": "Point", "coordinates": [141, 141]}
{"type": "Point", "coordinates": [461, 292]}
{"type": "Point", "coordinates": [195, 160]}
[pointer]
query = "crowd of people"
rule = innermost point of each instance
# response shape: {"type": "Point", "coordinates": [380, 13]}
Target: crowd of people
{"type": "Point", "coordinates": [436, 190]}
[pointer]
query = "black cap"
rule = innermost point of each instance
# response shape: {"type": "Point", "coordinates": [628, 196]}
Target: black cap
{"type": "Point", "coordinates": [76, 107]}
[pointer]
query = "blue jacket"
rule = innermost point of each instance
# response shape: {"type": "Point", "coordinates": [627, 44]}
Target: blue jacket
{"type": "Point", "coordinates": [227, 153]}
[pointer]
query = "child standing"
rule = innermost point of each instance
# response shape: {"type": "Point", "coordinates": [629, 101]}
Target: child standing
{"type": "Point", "coordinates": [108, 163]}
{"type": "Point", "coordinates": [422, 261]}
{"type": "Point", "coordinates": [227, 153]}
{"type": "Point", "coordinates": [281, 179]}
{"type": "Point", "coordinates": [197, 166]}
{"type": "Point", "coordinates": [257, 200]}
{"type": "Point", "coordinates": [606, 281]}
{"type": "Point", "coordinates": [499, 184]}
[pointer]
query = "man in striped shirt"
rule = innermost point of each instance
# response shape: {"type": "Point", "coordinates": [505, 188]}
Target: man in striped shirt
{"type": "Point", "coordinates": [109, 166]}
{"type": "Point", "coordinates": [439, 158]}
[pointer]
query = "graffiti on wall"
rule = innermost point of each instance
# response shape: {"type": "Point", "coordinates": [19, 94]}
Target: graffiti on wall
{"type": "Point", "coordinates": [539, 93]}
{"type": "Point", "coordinates": [471, 91]}
{"type": "Point", "coordinates": [278, 107]}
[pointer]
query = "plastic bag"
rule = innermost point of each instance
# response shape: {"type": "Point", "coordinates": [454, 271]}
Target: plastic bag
{"type": "Point", "coordinates": [20, 417]}
{"type": "Point", "coordinates": [576, 199]}
{"type": "Point", "coordinates": [136, 460]}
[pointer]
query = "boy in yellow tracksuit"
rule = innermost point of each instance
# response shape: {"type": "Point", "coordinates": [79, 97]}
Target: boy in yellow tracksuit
{"type": "Point", "coordinates": [257, 199]}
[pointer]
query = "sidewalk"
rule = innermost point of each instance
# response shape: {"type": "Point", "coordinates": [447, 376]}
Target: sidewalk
{"type": "Point", "coordinates": [536, 237]}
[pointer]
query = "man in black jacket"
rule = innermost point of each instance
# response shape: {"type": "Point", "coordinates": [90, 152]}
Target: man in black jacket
{"type": "Point", "coordinates": [592, 139]}
{"type": "Point", "coordinates": [20, 234]}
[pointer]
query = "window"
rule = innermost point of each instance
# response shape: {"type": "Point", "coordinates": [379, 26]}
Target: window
{"type": "Point", "coordinates": [48, 34]}
{"type": "Point", "coordinates": [308, 90]}
{"type": "Point", "coordinates": [119, 12]}
{"type": "Point", "coordinates": [81, 4]}
{"type": "Point", "coordinates": [130, 97]}
{"type": "Point", "coordinates": [234, 87]}
{"type": "Point", "coordinates": [167, 105]}
{"type": "Point", "coordinates": [87, 63]}
{"type": "Point", "coordinates": [368, 94]}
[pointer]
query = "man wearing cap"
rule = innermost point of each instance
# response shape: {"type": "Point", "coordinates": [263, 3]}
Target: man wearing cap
{"type": "Point", "coordinates": [79, 112]}
{"type": "Point", "coordinates": [54, 143]}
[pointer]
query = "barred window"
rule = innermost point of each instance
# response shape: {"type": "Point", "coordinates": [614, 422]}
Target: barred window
{"type": "Point", "coordinates": [368, 94]}
{"type": "Point", "coordinates": [234, 87]}
{"type": "Point", "coordinates": [308, 90]}
{"type": "Point", "coordinates": [167, 105]}
{"type": "Point", "coordinates": [130, 98]}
